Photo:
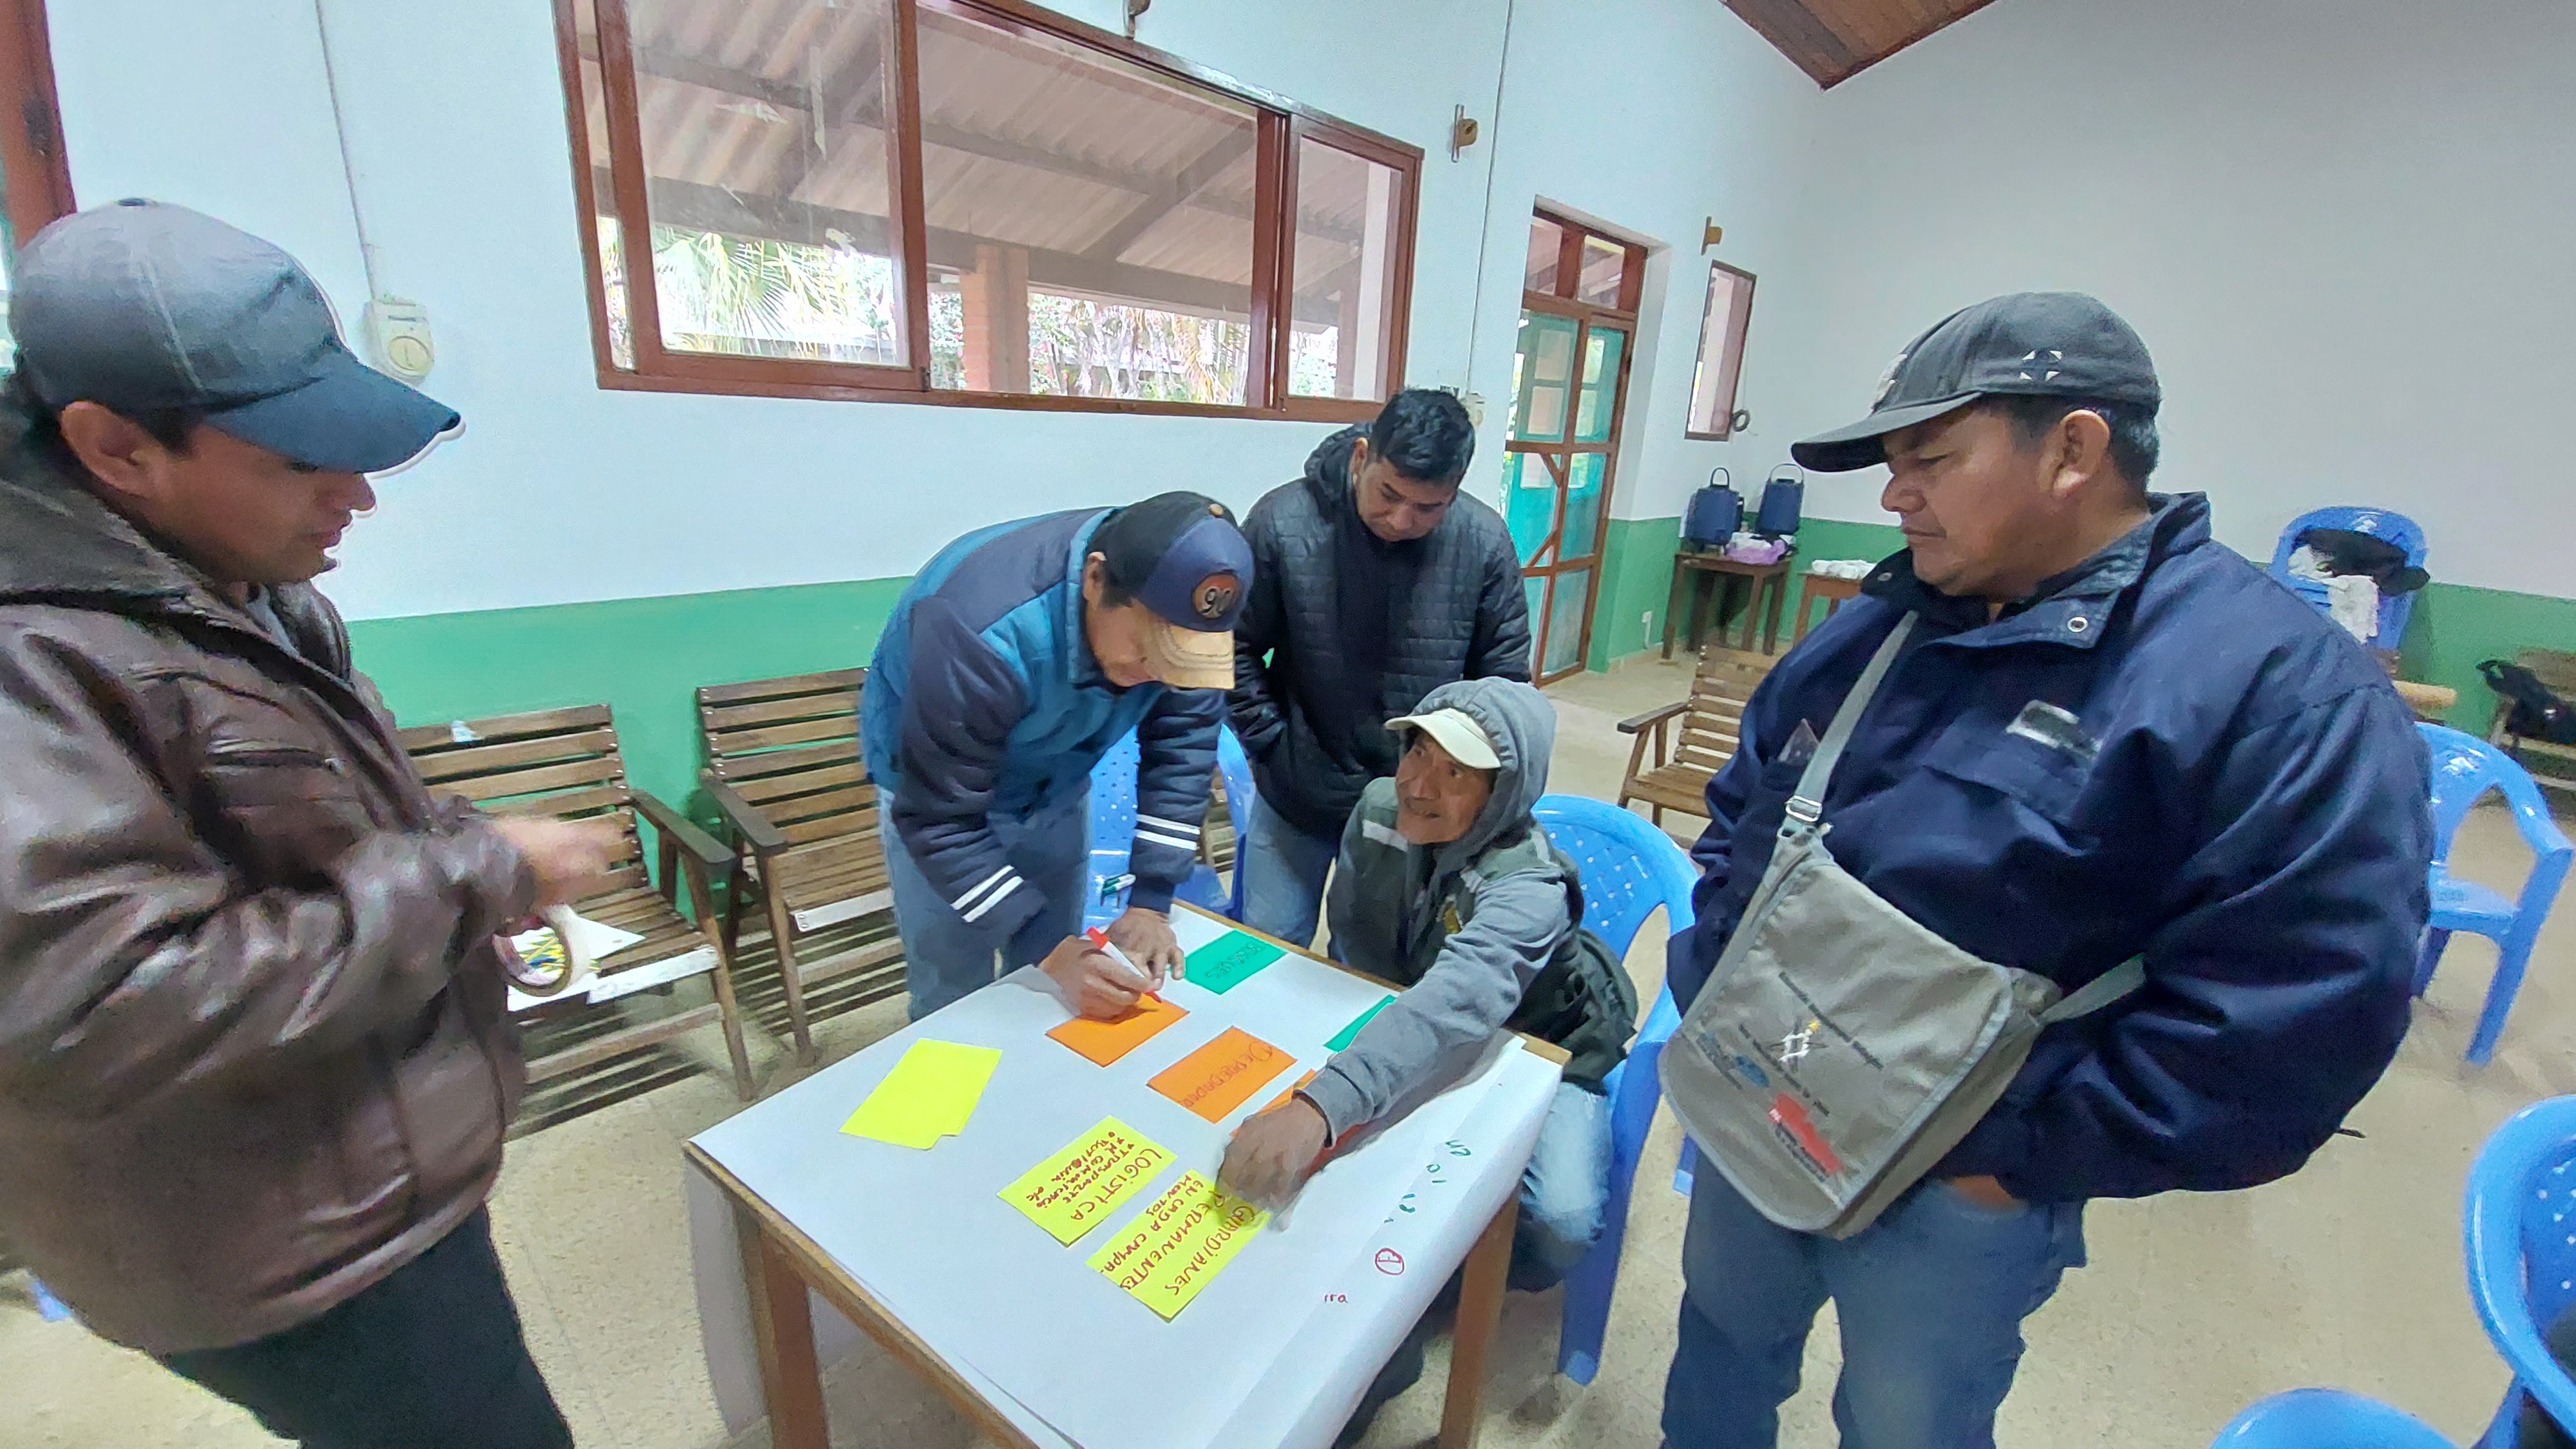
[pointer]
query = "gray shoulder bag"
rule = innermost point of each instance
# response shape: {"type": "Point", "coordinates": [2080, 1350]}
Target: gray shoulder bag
{"type": "Point", "coordinates": [1840, 1049]}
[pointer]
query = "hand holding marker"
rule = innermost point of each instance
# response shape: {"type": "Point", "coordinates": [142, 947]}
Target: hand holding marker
{"type": "Point", "coordinates": [1142, 981]}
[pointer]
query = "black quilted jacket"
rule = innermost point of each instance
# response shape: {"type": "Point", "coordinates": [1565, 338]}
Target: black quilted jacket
{"type": "Point", "coordinates": [1468, 618]}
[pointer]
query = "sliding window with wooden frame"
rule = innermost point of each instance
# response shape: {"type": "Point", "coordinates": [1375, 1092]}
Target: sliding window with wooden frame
{"type": "Point", "coordinates": [973, 202]}
{"type": "Point", "coordinates": [1578, 331]}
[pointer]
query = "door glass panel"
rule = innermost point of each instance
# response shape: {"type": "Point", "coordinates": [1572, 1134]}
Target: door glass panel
{"type": "Point", "coordinates": [1542, 377]}
{"type": "Point", "coordinates": [1529, 504]}
{"type": "Point", "coordinates": [1583, 506]}
{"type": "Point", "coordinates": [1565, 613]}
{"type": "Point", "coordinates": [1547, 242]}
{"type": "Point", "coordinates": [1534, 588]}
{"type": "Point", "coordinates": [1605, 271]}
{"type": "Point", "coordinates": [1597, 409]}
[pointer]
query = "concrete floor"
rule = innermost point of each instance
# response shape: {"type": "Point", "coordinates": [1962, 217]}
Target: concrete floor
{"type": "Point", "coordinates": [2347, 1274]}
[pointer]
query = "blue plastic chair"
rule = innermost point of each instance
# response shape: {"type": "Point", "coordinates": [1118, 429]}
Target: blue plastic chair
{"type": "Point", "coordinates": [2464, 769]}
{"type": "Point", "coordinates": [1113, 830]}
{"type": "Point", "coordinates": [1630, 868]}
{"type": "Point", "coordinates": [2326, 1419]}
{"type": "Point", "coordinates": [2519, 1231]}
{"type": "Point", "coordinates": [2397, 528]}
{"type": "Point", "coordinates": [49, 1308]}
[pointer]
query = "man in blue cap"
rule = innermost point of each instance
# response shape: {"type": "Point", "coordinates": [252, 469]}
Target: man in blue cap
{"type": "Point", "coordinates": [2106, 737]}
{"type": "Point", "coordinates": [1017, 657]}
{"type": "Point", "coordinates": [255, 1061]}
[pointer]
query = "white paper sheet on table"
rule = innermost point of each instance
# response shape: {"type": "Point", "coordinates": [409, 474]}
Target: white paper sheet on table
{"type": "Point", "coordinates": [928, 1235]}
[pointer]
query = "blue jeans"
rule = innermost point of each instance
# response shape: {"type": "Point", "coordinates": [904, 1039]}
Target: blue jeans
{"type": "Point", "coordinates": [1283, 876]}
{"type": "Point", "coordinates": [1930, 1297]}
{"type": "Point", "coordinates": [944, 957]}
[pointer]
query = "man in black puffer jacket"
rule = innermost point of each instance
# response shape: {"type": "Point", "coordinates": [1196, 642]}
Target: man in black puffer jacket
{"type": "Point", "coordinates": [1374, 583]}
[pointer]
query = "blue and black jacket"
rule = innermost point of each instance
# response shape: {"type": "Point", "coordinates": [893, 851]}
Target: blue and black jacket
{"type": "Point", "coordinates": [984, 701]}
{"type": "Point", "coordinates": [2162, 752]}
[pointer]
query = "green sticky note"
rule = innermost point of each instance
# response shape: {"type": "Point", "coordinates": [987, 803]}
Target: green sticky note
{"type": "Point", "coordinates": [1347, 1034]}
{"type": "Point", "coordinates": [1228, 961]}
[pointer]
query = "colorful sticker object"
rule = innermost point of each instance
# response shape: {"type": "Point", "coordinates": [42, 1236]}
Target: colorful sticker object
{"type": "Point", "coordinates": [1223, 1075]}
{"type": "Point", "coordinates": [1104, 1042]}
{"type": "Point", "coordinates": [1069, 1193]}
{"type": "Point", "coordinates": [928, 1095]}
{"type": "Point", "coordinates": [1177, 1245]}
{"type": "Point", "coordinates": [1228, 961]}
{"type": "Point", "coordinates": [1350, 1033]}
{"type": "Point", "coordinates": [1292, 1089]}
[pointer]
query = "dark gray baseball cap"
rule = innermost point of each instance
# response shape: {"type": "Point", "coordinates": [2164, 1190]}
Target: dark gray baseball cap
{"type": "Point", "coordinates": [142, 306]}
{"type": "Point", "coordinates": [2031, 344]}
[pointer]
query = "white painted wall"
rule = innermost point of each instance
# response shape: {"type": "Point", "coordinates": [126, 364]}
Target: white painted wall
{"type": "Point", "coordinates": [2343, 227]}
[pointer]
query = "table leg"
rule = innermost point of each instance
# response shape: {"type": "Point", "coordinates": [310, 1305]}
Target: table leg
{"type": "Point", "coordinates": [1771, 624]}
{"type": "Point", "coordinates": [782, 1327]}
{"type": "Point", "coordinates": [1673, 605]}
{"type": "Point", "coordinates": [1480, 1310]}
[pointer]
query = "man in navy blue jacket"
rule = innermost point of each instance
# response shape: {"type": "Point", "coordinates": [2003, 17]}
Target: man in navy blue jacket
{"type": "Point", "coordinates": [1011, 664]}
{"type": "Point", "coordinates": [2109, 736]}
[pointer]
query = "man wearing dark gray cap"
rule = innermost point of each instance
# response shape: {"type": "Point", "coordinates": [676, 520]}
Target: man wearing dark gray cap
{"type": "Point", "coordinates": [255, 1066]}
{"type": "Point", "coordinates": [2086, 734]}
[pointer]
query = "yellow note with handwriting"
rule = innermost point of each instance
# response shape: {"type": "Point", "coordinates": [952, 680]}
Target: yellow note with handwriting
{"type": "Point", "coordinates": [1179, 1243]}
{"type": "Point", "coordinates": [1070, 1192]}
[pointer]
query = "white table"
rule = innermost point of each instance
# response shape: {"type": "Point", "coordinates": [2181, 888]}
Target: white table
{"type": "Point", "coordinates": [804, 1237]}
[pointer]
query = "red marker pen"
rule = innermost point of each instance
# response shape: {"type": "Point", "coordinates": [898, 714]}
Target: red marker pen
{"type": "Point", "coordinates": [1101, 943]}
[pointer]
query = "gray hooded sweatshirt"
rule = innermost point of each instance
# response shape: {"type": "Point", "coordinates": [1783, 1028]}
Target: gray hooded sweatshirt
{"type": "Point", "coordinates": [1484, 933]}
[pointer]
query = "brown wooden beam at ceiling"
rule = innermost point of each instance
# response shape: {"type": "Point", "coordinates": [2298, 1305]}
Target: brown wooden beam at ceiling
{"type": "Point", "coordinates": [1833, 40]}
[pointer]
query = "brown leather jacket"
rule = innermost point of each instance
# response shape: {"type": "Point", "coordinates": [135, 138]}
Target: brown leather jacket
{"type": "Point", "coordinates": [254, 1054]}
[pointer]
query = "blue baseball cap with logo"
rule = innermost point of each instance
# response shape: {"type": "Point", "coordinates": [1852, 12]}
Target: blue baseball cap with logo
{"type": "Point", "coordinates": [144, 307]}
{"type": "Point", "coordinates": [1187, 563]}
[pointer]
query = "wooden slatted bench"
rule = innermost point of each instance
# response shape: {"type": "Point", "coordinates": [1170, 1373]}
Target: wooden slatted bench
{"type": "Point", "coordinates": [783, 765]}
{"type": "Point", "coordinates": [1693, 739]}
{"type": "Point", "coordinates": [565, 764]}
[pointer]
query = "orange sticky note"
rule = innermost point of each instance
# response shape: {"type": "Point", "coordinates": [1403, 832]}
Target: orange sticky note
{"type": "Point", "coordinates": [1291, 1090]}
{"type": "Point", "coordinates": [1106, 1041]}
{"type": "Point", "coordinates": [1223, 1075]}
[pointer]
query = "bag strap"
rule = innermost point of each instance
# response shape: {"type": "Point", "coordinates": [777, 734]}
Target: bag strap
{"type": "Point", "coordinates": [2099, 992]}
{"type": "Point", "coordinates": [1808, 805]}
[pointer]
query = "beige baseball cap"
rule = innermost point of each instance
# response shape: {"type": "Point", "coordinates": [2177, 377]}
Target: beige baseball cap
{"type": "Point", "coordinates": [1456, 731]}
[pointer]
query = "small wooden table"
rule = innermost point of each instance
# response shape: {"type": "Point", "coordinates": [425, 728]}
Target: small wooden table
{"type": "Point", "coordinates": [1696, 571]}
{"type": "Point", "coordinates": [1834, 591]}
{"type": "Point", "coordinates": [796, 1204]}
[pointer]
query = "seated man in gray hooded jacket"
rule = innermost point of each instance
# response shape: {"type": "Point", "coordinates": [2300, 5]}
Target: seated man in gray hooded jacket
{"type": "Point", "coordinates": [1449, 889]}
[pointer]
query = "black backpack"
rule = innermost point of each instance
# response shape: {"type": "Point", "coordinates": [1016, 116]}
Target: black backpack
{"type": "Point", "coordinates": [2537, 714]}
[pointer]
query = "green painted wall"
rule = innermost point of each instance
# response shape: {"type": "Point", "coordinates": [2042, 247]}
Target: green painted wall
{"type": "Point", "coordinates": [643, 657]}
{"type": "Point", "coordinates": [2452, 628]}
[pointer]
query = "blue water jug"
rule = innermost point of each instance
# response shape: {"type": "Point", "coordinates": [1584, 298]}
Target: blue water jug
{"type": "Point", "coordinates": [1716, 511]}
{"type": "Point", "coordinates": [1782, 500]}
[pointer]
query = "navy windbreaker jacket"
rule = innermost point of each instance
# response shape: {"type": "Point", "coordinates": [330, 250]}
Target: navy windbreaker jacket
{"type": "Point", "coordinates": [984, 700]}
{"type": "Point", "coordinates": [2243, 800]}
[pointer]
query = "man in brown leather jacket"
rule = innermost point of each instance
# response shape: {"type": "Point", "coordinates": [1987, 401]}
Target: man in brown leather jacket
{"type": "Point", "coordinates": [255, 1065]}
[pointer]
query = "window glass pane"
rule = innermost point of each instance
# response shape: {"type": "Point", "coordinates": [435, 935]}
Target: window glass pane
{"type": "Point", "coordinates": [1542, 377]}
{"type": "Point", "coordinates": [1721, 352]}
{"type": "Point", "coordinates": [767, 160]}
{"type": "Point", "coordinates": [1344, 291]}
{"type": "Point", "coordinates": [1598, 406]}
{"type": "Point", "coordinates": [1534, 589]}
{"type": "Point", "coordinates": [1583, 505]}
{"type": "Point", "coordinates": [1547, 242]}
{"type": "Point", "coordinates": [1605, 268]}
{"type": "Point", "coordinates": [603, 193]}
{"type": "Point", "coordinates": [1090, 221]}
{"type": "Point", "coordinates": [1529, 505]}
{"type": "Point", "coordinates": [1563, 646]}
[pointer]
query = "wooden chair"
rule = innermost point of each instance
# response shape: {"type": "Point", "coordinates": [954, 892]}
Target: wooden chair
{"type": "Point", "coordinates": [783, 765]}
{"type": "Point", "coordinates": [1709, 723]}
{"type": "Point", "coordinates": [2551, 765]}
{"type": "Point", "coordinates": [564, 763]}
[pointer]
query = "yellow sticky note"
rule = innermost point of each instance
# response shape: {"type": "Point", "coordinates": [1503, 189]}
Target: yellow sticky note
{"type": "Point", "coordinates": [929, 1095]}
{"type": "Point", "coordinates": [1070, 1192]}
{"type": "Point", "coordinates": [1179, 1243]}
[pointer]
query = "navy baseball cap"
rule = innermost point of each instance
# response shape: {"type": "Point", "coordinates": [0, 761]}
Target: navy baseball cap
{"type": "Point", "coordinates": [142, 306]}
{"type": "Point", "coordinates": [1187, 563]}
{"type": "Point", "coordinates": [2029, 344]}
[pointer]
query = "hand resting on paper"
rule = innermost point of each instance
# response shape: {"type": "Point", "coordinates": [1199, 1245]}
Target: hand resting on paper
{"type": "Point", "coordinates": [571, 857]}
{"type": "Point", "coordinates": [1274, 1152]}
{"type": "Point", "coordinates": [1097, 986]}
{"type": "Point", "coordinates": [1146, 936]}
